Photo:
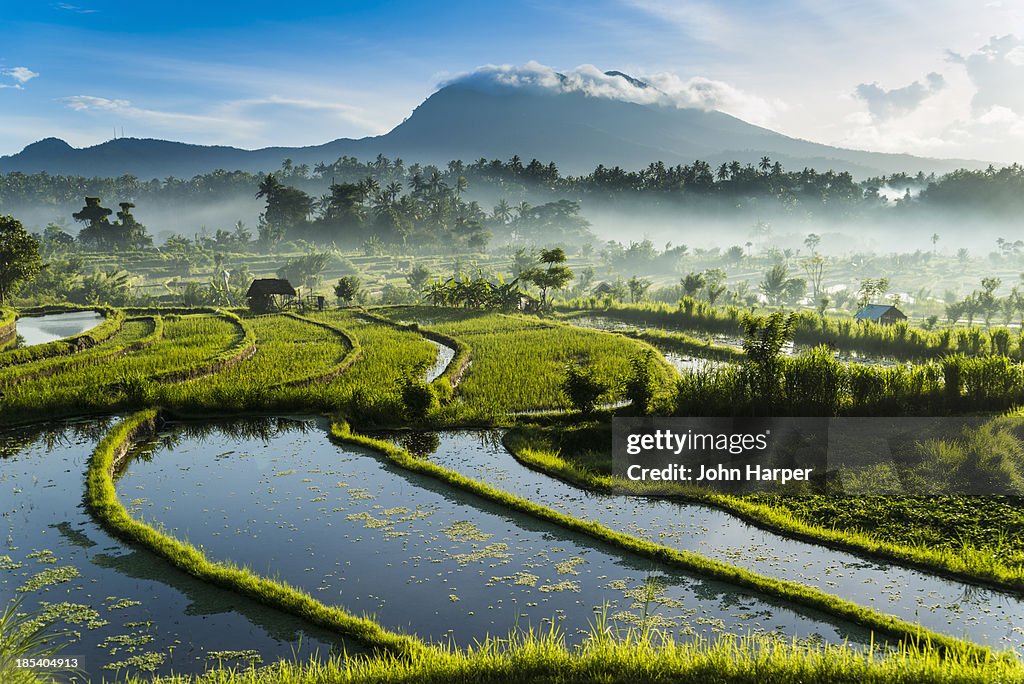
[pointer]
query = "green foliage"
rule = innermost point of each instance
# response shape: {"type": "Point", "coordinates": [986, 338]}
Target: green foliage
{"type": "Point", "coordinates": [305, 271]}
{"type": "Point", "coordinates": [642, 381]}
{"type": "Point", "coordinates": [581, 387]}
{"type": "Point", "coordinates": [418, 397]}
{"type": "Point", "coordinates": [348, 288]}
{"type": "Point", "coordinates": [19, 257]}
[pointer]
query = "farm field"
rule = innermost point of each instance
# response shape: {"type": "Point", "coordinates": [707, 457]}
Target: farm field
{"type": "Point", "coordinates": [314, 472]}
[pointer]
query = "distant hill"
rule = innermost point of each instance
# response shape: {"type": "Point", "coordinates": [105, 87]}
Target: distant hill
{"type": "Point", "coordinates": [464, 121]}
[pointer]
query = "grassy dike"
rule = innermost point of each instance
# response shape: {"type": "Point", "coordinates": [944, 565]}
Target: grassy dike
{"type": "Point", "coordinates": [902, 631]}
{"type": "Point", "coordinates": [528, 446]}
{"type": "Point", "coordinates": [101, 497]}
{"type": "Point", "coordinates": [545, 659]}
{"type": "Point", "coordinates": [351, 356]}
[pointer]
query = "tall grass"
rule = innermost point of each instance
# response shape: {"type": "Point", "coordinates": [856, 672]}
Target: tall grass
{"type": "Point", "coordinates": [815, 384]}
{"type": "Point", "coordinates": [899, 341]}
{"type": "Point", "coordinates": [543, 657]}
{"type": "Point", "coordinates": [8, 333]}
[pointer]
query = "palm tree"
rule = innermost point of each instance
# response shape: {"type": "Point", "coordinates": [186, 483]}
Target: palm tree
{"type": "Point", "coordinates": [765, 165]}
{"type": "Point", "coordinates": [502, 211]}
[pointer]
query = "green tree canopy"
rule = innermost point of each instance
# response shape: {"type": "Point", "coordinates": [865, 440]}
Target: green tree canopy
{"type": "Point", "coordinates": [19, 257]}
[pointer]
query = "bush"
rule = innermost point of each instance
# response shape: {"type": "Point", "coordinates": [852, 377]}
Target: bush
{"type": "Point", "coordinates": [418, 398]}
{"type": "Point", "coordinates": [582, 388]}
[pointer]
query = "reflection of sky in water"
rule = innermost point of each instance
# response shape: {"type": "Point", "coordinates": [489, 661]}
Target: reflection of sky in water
{"type": "Point", "coordinates": [952, 607]}
{"type": "Point", "coordinates": [42, 329]}
{"type": "Point", "coordinates": [169, 619]}
{"type": "Point", "coordinates": [343, 524]}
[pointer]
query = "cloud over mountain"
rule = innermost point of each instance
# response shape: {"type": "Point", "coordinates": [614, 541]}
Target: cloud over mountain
{"type": "Point", "coordinates": [660, 88]}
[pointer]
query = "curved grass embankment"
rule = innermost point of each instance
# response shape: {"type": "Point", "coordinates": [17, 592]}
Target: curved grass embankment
{"type": "Point", "coordinates": [808, 597]}
{"type": "Point", "coordinates": [456, 368]}
{"type": "Point", "coordinates": [545, 659]}
{"type": "Point", "coordinates": [295, 362]}
{"type": "Point", "coordinates": [389, 355]}
{"type": "Point", "coordinates": [242, 349]}
{"type": "Point", "coordinates": [135, 334]}
{"type": "Point", "coordinates": [112, 453]}
{"type": "Point", "coordinates": [113, 320]}
{"type": "Point", "coordinates": [965, 564]}
{"type": "Point", "coordinates": [343, 363]}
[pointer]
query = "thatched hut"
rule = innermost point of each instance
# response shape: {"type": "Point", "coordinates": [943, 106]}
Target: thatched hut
{"type": "Point", "coordinates": [269, 294]}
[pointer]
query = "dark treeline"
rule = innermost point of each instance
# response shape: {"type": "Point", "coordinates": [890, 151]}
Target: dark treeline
{"type": "Point", "coordinates": [732, 185]}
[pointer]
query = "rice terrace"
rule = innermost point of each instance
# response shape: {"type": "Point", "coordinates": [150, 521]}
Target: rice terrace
{"type": "Point", "coordinates": [527, 374]}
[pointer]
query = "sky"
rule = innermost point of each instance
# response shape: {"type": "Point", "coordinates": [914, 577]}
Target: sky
{"type": "Point", "coordinates": [938, 78]}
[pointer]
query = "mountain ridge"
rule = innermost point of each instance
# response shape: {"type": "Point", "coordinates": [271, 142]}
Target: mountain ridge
{"type": "Point", "coordinates": [576, 130]}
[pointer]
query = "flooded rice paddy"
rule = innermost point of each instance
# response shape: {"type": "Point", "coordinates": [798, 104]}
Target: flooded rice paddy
{"type": "Point", "coordinates": [42, 329]}
{"type": "Point", "coordinates": [344, 524]}
{"type": "Point", "coordinates": [981, 615]}
{"type": "Point", "coordinates": [129, 611]}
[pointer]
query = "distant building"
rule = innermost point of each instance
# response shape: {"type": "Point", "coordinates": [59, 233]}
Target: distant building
{"type": "Point", "coordinates": [269, 294]}
{"type": "Point", "coordinates": [883, 314]}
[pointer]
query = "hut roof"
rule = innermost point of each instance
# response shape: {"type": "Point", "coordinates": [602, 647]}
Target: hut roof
{"type": "Point", "coordinates": [874, 312]}
{"type": "Point", "coordinates": [264, 287]}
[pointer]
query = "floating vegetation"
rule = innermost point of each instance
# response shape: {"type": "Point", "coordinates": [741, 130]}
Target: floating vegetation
{"type": "Point", "coordinates": [464, 530]}
{"type": "Point", "coordinates": [250, 655]}
{"type": "Point", "coordinates": [496, 551]}
{"type": "Point", "coordinates": [71, 613]}
{"type": "Point", "coordinates": [143, 662]}
{"type": "Point", "coordinates": [50, 577]}
{"type": "Point", "coordinates": [564, 585]}
{"type": "Point", "coordinates": [568, 567]}
{"type": "Point", "coordinates": [8, 563]}
{"type": "Point", "coordinates": [121, 604]}
{"type": "Point", "coordinates": [45, 556]}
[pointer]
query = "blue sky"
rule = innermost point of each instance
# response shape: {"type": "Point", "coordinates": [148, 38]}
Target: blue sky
{"type": "Point", "coordinates": [940, 78]}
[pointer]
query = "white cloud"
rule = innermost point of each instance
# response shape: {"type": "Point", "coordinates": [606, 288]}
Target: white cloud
{"type": "Point", "coordinates": [664, 88]}
{"type": "Point", "coordinates": [17, 76]}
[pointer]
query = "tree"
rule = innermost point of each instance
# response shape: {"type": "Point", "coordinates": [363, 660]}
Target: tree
{"type": "Point", "coordinates": [692, 284]}
{"type": "Point", "coordinates": [812, 241]}
{"type": "Point", "coordinates": [774, 284]}
{"type": "Point", "coordinates": [714, 284]}
{"type": "Point", "coordinates": [347, 289]}
{"type": "Point", "coordinates": [96, 232]}
{"type": "Point", "coordinates": [555, 276]}
{"type": "Point", "coordinates": [638, 288]}
{"type": "Point", "coordinates": [763, 340]}
{"type": "Point", "coordinates": [417, 278]}
{"type": "Point", "coordinates": [814, 268]}
{"type": "Point", "coordinates": [305, 270]}
{"type": "Point", "coordinates": [19, 257]}
{"type": "Point", "coordinates": [870, 289]}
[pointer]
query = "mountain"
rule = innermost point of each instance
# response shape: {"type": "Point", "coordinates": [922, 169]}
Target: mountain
{"type": "Point", "coordinates": [466, 120]}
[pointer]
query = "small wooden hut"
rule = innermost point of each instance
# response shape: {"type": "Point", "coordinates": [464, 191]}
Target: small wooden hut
{"type": "Point", "coordinates": [269, 294]}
